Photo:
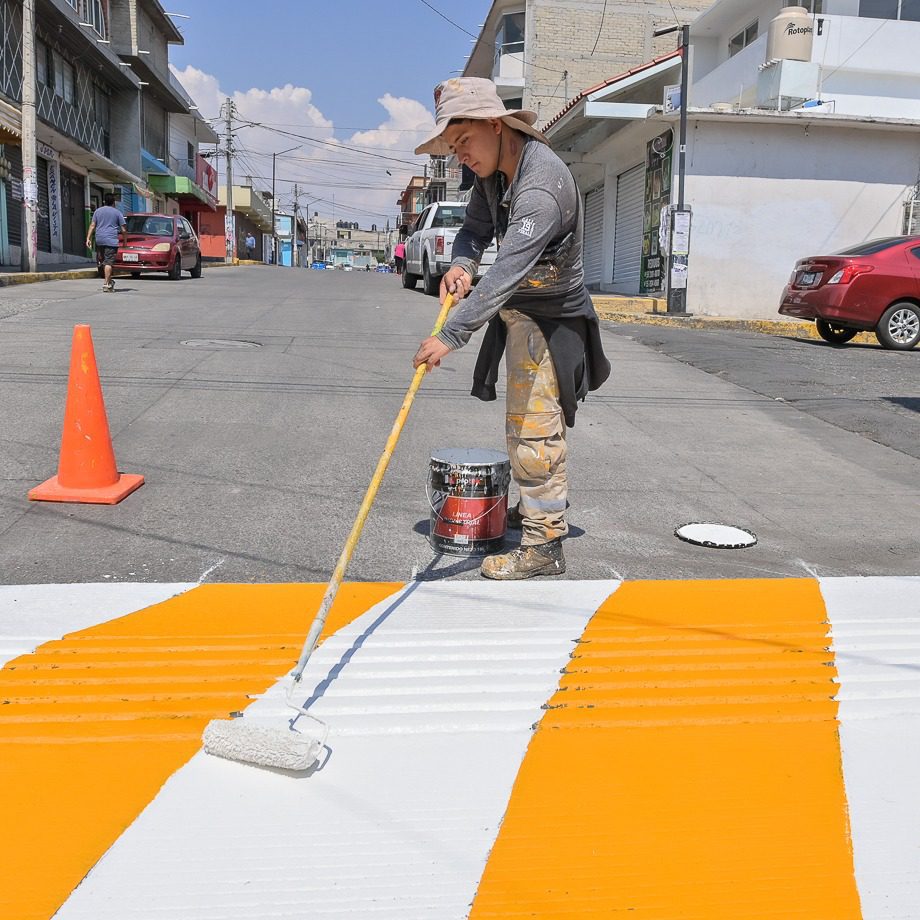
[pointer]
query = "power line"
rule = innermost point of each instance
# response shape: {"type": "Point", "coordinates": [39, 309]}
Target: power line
{"type": "Point", "coordinates": [600, 29]}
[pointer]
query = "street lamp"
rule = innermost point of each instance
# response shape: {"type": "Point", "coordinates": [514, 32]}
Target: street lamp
{"type": "Point", "coordinates": [679, 235]}
{"type": "Point", "coordinates": [274, 237]}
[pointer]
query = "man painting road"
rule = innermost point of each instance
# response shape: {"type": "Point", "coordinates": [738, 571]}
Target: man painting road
{"type": "Point", "coordinates": [108, 227]}
{"type": "Point", "coordinates": [533, 297]}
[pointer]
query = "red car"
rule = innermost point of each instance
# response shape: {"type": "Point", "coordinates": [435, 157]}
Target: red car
{"type": "Point", "coordinates": [159, 243]}
{"type": "Point", "coordinates": [874, 286]}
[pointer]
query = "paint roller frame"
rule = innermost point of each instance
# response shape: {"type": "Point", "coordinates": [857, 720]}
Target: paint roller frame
{"type": "Point", "coordinates": [262, 745]}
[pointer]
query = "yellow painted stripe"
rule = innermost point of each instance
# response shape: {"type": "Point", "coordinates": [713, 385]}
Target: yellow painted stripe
{"type": "Point", "coordinates": [688, 767]}
{"type": "Point", "coordinates": [92, 726]}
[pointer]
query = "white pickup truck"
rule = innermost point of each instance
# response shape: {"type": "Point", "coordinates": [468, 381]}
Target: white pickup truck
{"type": "Point", "coordinates": [428, 249]}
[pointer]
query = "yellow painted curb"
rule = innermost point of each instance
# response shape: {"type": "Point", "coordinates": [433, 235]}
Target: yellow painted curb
{"type": "Point", "coordinates": [7, 279]}
{"type": "Point", "coordinates": [803, 329]}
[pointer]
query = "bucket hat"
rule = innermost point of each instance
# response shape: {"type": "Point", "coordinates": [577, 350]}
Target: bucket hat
{"type": "Point", "coordinates": [472, 97]}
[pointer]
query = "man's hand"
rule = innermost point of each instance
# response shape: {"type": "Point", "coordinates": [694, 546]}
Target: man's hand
{"type": "Point", "coordinates": [430, 352]}
{"type": "Point", "coordinates": [456, 281]}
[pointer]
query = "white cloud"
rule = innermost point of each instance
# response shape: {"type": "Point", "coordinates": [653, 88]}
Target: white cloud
{"type": "Point", "coordinates": [321, 169]}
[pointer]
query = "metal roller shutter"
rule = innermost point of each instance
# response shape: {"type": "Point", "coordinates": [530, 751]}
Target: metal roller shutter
{"type": "Point", "coordinates": [594, 236]}
{"type": "Point", "coordinates": [43, 219]}
{"type": "Point", "coordinates": [14, 205]}
{"type": "Point", "coordinates": [627, 243]}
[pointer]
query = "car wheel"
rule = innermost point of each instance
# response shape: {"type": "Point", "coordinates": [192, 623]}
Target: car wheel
{"type": "Point", "coordinates": [100, 271]}
{"type": "Point", "coordinates": [431, 283]}
{"type": "Point", "coordinates": [135, 274]}
{"type": "Point", "coordinates": [833, 333]}
{"type": "Point", "coordinates": [175, 270]}
{"type": "Point", "coordinates": [196, 268]}
{"type": "Point", "coordinates": [899, 327]}
{"type": "Point", "coordinates": [409, 281]}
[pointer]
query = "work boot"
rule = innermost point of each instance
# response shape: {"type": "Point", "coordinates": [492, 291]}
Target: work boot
{"type": "Point", "coordinates": [526, 561]}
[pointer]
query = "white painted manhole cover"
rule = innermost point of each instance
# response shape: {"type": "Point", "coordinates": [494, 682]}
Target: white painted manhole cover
{"type": "Point", "coordinates": [220, 343]}
{"type": "Point", "coordinates": [716, 536]}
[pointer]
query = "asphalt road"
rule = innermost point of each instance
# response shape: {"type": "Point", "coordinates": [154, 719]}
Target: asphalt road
{"type": "Point", "coordinates": [256, 402]}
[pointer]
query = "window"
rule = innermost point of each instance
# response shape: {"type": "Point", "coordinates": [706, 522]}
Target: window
{"type": "Point", "coordinates": [813, 6]}
{"type": "Point", "coordinates": [63, 78]}
{"type": "Point", "coordinates": [93, 15]}
{"type": "Point", "coordinates": [41, 62]}
{"type": "Point", "coordinates": [449, 217]}
{"type": "Point", "coordinates": [742, 39]}
{"type": "Point", "coordinates": [890, 9]}
{"type": "Point", "coordinates": [190, 151]}
{"type": "Point", "coordinates": [871, 247]}
{"type": "Point", "coordinates": [509, 39]}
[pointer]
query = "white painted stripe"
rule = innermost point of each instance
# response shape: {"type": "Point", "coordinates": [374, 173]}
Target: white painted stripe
{"type": "Point", "coordinates": [876, 626]}
{"type": "Point", "coordinates": [33, 614]}
{"type": "Point", "coordinates": [399, 822]}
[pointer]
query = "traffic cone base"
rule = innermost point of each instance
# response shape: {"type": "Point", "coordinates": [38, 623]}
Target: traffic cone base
{"type": "Point", "coordinates": [52, 491]}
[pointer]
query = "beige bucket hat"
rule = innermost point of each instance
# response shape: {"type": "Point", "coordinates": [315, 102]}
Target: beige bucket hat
{"type": "Point", "coordinates": [472, 97]}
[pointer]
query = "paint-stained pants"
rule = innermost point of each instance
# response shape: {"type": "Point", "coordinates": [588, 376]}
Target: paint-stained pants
{"type": "Point", "coordinates": [535, 430]}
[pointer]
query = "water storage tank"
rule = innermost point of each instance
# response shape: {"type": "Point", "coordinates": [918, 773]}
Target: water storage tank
{"type": "Point", "coordinates": [791, 35]}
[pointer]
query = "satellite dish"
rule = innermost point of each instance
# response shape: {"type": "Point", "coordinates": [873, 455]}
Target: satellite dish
{"type": "Point", "coordinates": [715, 536]}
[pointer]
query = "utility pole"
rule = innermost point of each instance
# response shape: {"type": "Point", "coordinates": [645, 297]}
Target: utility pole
{"type": "Point", "coordinates": [29, 245]}
{"type": "Point", "coordinates": [294, 259]}
{"type": "Point", "coordinates": [678, 256]}
{"type": "Point", "coordinates": [229, 218]}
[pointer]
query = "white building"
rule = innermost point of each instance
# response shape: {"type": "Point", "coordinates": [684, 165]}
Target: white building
{"type": "Point", "coordinates": [785, 158]}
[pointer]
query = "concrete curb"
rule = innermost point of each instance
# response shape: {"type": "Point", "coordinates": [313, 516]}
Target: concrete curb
{"type": "Point", "coordinates": [617, 310]}
{"type": "Point", "coordinates": [9, 278]}
{"type": "Point", "coordinates": [6, 280]}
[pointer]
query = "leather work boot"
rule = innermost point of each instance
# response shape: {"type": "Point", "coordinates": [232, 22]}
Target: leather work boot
{"type": "Point", "coordinates": [525, 562]}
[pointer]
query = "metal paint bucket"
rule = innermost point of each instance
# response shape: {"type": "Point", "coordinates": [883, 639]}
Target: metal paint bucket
{"type": "Point", "coordinates": [468, 495]}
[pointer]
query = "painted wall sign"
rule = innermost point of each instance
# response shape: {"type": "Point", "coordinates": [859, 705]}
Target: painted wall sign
{"type": "Point", "coordinates": [54, 205]}
{"type": "Point", "coordinates": [46, 152]}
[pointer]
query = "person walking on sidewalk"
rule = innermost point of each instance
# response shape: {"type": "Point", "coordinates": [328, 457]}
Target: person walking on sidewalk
{"type": "Point", "coordinates": [108, 226]}
{"type": "Point", "coordinates": [533, 297]}
{"type": "Point", "coordinates": [399, 254]}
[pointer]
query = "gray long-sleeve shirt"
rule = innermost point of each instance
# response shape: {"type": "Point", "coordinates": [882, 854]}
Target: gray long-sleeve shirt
{"type": "Point", "coordinates": [539, 262]}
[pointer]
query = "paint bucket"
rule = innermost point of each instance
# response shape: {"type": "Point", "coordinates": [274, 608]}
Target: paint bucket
{"type": "Point", "coordinates": [468, 495]}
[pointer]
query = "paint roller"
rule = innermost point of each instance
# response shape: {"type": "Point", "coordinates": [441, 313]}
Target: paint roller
{"type": "Point", "coordinates": [299, 746]}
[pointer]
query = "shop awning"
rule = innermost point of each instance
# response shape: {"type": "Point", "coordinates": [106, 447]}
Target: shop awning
{"type": "Point", "coordinates": [10, 124]}
{"type": "Point", "coordinates": [178, 187]}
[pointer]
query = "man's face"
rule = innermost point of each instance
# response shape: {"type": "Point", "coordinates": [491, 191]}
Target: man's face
{"type": "Point", "coordinates": [476, 144]}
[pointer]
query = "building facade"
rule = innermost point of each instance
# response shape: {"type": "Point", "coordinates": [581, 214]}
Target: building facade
{"type": "Point", "coordinates": [104, 103]}
{"type": "Point", "coordinates": [787, 156]}
{"type": "Point", "coordinates": [540, 53]}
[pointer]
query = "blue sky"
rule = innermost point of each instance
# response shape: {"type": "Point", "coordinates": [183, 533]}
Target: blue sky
{"type": "Point", "coordinates": [355, 72]}
{"type": "Point", "coordinates": [348, 52]}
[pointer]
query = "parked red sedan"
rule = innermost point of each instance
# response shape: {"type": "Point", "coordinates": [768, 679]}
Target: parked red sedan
{"type": "Point", "coordinates": [159, 243]}
{"type": "Point", "coordinates": [874, 286]}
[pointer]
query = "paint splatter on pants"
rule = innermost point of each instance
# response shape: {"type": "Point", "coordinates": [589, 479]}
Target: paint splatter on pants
{"type": "Point", "coordinates": [535, 430]}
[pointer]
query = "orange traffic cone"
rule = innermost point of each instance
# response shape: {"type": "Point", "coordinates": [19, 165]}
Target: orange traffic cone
{"type": "Point", "coordinates": [86, 470]}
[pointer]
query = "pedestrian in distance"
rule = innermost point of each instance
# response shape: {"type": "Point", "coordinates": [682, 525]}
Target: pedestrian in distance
{"type": "Point", "coordinates": [534, 299]}
{"type": "Point", "coordinates": [108, 228]}
{"type": "Point", "coordinates": [250, 246]}
{"type": "Point", "coordinates": [399, 254]}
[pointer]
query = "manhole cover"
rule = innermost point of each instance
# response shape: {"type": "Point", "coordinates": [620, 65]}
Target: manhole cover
{"type": "Point", "coordinates": [220, 343]}
{"type": "Point", "coordinates": [716, 536]}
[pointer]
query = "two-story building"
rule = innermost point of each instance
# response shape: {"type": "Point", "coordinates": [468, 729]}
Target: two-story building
{"type": "Point", "coordinates": [801, 140]}
{"type": "Point", "coordinates": [540, 53]}
{"type": "Point", "coordinates": [88, 123]}
{"type": "Point", "coordinates": [110, 117]}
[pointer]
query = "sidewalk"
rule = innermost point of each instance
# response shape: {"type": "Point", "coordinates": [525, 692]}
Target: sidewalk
{"type": "Point", "coordinates": [68, 271]}
{"type": "Point", "coordinates": [652, 311]}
